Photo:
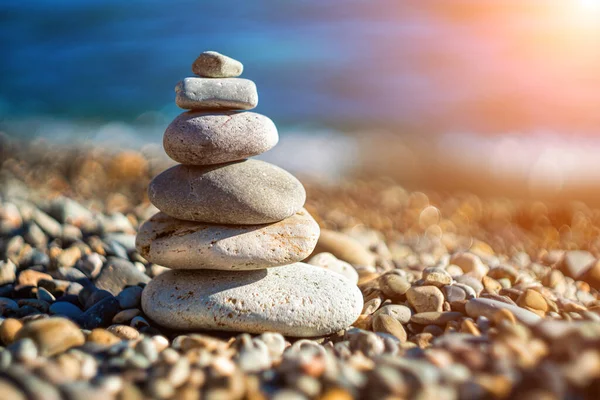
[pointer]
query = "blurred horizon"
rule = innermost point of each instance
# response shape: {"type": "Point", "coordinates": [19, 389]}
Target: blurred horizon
{"type": "Point", "coordinates": [500, 66]}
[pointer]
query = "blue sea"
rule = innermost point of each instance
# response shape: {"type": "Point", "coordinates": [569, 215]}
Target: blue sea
{"type": "Point", "coordinates": [105, 70]}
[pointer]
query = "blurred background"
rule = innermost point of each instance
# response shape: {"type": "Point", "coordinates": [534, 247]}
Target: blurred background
{"type": "Point", "coordinates": [495, 97]}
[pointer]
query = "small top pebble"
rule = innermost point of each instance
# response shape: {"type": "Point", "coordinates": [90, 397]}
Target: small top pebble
{"type": "Point", "coordinates": [211, 64]}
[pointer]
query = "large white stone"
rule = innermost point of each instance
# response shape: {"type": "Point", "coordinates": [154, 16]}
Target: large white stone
{"type": "Point", "coordinates": [192, 245]}
{"type": "Point", "coordinates": [297, 300]}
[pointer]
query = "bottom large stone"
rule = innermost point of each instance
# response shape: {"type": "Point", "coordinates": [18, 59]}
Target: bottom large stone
{"type": "Point", "coordinates": [297, 300]}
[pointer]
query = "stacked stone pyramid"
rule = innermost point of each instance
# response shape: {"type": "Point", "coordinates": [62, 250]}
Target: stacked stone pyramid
{"type": "Point", "coordinates": [233, 229]}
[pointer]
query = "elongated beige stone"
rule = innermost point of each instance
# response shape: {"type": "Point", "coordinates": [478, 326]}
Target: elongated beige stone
{"type": "Point", "coordinates": [191, 245]}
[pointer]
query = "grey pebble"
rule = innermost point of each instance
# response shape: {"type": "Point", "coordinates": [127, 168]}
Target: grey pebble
{"type": "Point", "coordinates": [100, 314]}
{"type": "Point", "coordinates": [398, 311]}
{"type": "Point", "coordinates": [66, 309]}
{"type": "Point", "coordinates": [118, 273]}
{"type": "Point", "coordinates": [90, 264]}
{"type": "Point", "coordinates": [488, 307]}
{"type": "Point", "coordinates": [130, 297]}
{"type": "Point", "coordinates": [45, 295]}
{"type": "Point", "coordinates": [216, 94]}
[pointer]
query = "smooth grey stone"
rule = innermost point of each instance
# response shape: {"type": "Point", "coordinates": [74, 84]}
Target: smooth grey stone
{"type": "Point", "coordinates": [35, 388]}
{"type": "Point", "coordinates": [199, 138]}
{"type": "Point", "coordinates": [192, 245]}
{"type": "Point", "coordinates": [130, 297]}
{"type": "Point", "coordinates": [48, 224]}
{"type": "Point", "coordinates": [66, 309]}
{"type": "Point", "coordinates": [100, 314]}
{"type": "Point", "coordinates": [67, 210]}
{"type": "Point", "coordinates": [216, 94]}
{"type": "Point", "coordinates": [488, 307]}
{"type": "Point", "coordinates": [239, 193]}
{"type": "Point", "coordinates": [211, 64]}
{"type": "Point", "coordinates": [7, 304]}
{"type": "Point", "coordinates": [90, 264]}
{"type": "Point", "coordinates": [126, 240]}
{"type": "Point", "coordinates": [45, 295]}
{"type": "Point", "coordinates": [397, 311]}
{"type": "Point", "coordinates": [118, 273]}
{"type": "Point", "coordinates": [70, 274]}
{"type": "Point", "coordinates": [35, 236]}
{"type": "Point", "coordinates": [297, 300]}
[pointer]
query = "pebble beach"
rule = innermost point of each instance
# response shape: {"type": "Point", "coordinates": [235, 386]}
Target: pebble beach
{"type": "Point", "coordinates": [463, 296]}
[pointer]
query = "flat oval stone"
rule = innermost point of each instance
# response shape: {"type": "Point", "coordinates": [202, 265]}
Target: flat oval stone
{"type": "Point", "coordinates": [199, 138]}
{"type": "Point", "coordinates": [180, 244]}
{"type": "Point", "coordinates": [297, 300]}
{"type": "Point", "coordinates": [248, 192]}
{"type": "Point", "coordinates": [216, 65]}
{"type": "Point", "coordinates": [216, 94]}
{"type": "Point", "coordinates": [481, 307]}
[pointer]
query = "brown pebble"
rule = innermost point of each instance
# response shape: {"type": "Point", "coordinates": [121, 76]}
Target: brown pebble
{"type": "Point", "coordinates": [435, 317]}
{"type": "Point", "coordinates": [436, 277]}
{"type": "Point", "coordinates": [124, 332]}
{"type": "Point", "coordinates": [491, 285]}
{"type": "Point", "coordinates": [52, 335]}
{"type": "Point", "coordinates": [434, 330]}
{"type": "Point", "coordinates": [10, 391]}
{"type": "Point", "coordinates": [423, 340]}
{"type": "Point", "coordinates": [371, 306]}
{"type": "Point", "coordinates": [534, 300]}
{"type": "Point", "coordinates": [9, 329]}
{"type": "Point", "coordinates": [459, 306]}
{"type": "Point", "coordinates": [425, 298]}
{"type": "Point", "coordinates": [504, 315]}
{"type": "Point", "coordinates": [68, 257]}
{"type": "Point", "coordinates": [344, 247]}
{"type": "Point", "coordinates": [592, 276]}
{"type": "Point", "coordinates": [364, 321]}
{"type": "Point", "coordinates": [125, 315]}
{"type": "Point", "coordinates": [470, 264]}
{"type": "Point", "coordinates": [394, 286]}
{"type": "Point", "coordinates": [102, 337]}
{"type": "Point", "coordinates": [388, 324]}
{"type": "Point", "coordinates": [499, 386]}
{"type": "Point", "coordinates": [31, 277]}
{"type": "Point", "coordinates": [468, 326]}
{"type": "Point", "coordinates": [575, 263]}
{"type": "Point", "coordinates": [336, 394]}
{"type": "Point", "coordinates": [504, 272]}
